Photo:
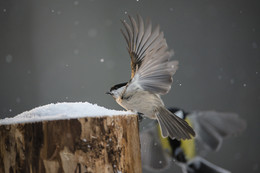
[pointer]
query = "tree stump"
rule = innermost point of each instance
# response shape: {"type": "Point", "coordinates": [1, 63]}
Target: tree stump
{"type": "Point", "coordinates": [108, 144]}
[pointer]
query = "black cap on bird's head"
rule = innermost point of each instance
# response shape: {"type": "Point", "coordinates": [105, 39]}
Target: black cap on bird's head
{"type": "Point", "coordinates": [115, 87]}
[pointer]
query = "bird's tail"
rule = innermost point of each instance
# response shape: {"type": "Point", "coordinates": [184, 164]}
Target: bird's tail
{"type": "Point", "coordinates": [173, 126]}
{"type": "Point", "coordinates": [200, 165]}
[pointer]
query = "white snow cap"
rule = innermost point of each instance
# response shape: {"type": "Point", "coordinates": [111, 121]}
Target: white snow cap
{"type": "Point", "coordinates": [64, 110]}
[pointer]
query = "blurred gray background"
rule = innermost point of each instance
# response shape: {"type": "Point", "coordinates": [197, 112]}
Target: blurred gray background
{"type": "Point", "coordinates": [57, 51]}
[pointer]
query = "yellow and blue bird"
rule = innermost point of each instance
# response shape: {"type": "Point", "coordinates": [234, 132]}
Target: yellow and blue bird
{"type": "Point", "coordinates": [211, 128]}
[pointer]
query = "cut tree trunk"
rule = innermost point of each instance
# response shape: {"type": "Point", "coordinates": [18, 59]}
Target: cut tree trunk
{"type": "Point", "coordinates": [84, 145]}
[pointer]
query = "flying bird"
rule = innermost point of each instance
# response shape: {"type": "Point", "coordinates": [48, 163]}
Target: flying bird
{"type": "Point", "coordinates": [151, 77]}
{"type": "Point", "coordinates": [211, 129]}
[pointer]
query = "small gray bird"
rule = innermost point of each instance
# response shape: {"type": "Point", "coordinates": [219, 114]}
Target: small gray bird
{"type": "Point", "coordinates": [151, 77]}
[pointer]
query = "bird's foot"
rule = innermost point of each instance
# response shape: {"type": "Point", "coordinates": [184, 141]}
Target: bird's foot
{"type": "Point", "coordinates": [140, 116]}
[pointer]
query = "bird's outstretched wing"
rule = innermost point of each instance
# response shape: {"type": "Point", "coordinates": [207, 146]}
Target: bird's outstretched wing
{"type": "Point", "coordinates": [151, 68]}
{"type": "Point", "coordinates": [154, 158]}
{"type": "Point", "coordinates": [212, 127]}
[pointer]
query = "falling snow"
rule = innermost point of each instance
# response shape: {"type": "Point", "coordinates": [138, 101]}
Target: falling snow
{"type": "Point", "coordinates": [92, 32]}
{"type": "Point", "coordinates": [76, 23]}
{"type": "Point", "coordinates": [254, 45]}
{"type": "Point", "coordinates": [18, 100]}
{"type": "Point", "coordinates": [76, 2]}
{"type": "Point", "coordinates": [9, 58]}
{"type": "Point", "coordinates": [102, 60]}
{"type": "Point", "coordinates": [76, 51]}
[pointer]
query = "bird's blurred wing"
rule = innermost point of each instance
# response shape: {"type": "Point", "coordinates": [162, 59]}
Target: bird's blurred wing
{"type": "Point", "coordinates": [212, 127]}
{"type": "Point", "coordinates": [198, 164]}
{"type": "Point", "coordinates": [151, 68]}
{"type": "Point", "coordinates": [153, 157]}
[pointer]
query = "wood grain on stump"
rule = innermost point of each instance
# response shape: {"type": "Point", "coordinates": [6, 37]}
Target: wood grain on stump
{"type": "Point", "coordinates": [84, 145]}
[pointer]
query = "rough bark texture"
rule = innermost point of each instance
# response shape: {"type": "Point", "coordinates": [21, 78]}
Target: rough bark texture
{"type": "Point", "coordinates": [85, 145]}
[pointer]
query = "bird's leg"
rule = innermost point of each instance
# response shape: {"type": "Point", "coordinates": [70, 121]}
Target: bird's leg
{"type": "Point", "coordinates": [140, 116]}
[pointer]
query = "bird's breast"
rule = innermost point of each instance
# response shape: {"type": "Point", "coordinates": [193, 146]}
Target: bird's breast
{"type": "Point", "coordinates": [143, 102]}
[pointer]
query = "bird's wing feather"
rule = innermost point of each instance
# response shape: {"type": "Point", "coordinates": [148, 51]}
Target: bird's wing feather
{"type": "Point", "coordinates": [151, 68]}
{"type": "Point", "coordinates": [198, 164]}
{"type": "Point", "coordinates": [153, 157]}
{"type": "Point", "coordinates": [212, 127]}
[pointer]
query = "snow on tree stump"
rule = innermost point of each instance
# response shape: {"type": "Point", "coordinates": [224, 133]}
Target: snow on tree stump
{"type": "Point", "coordinates": [50, 139]}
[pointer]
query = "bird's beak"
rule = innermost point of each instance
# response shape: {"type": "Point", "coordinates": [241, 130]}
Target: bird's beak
{"type": "Point", "coordinates": [108, 93]}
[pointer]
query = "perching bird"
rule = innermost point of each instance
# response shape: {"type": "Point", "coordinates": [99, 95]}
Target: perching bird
{"type": "Point", "coordinates": [211, 128]}
{"type": "Point", "coordinates": [151, 77]}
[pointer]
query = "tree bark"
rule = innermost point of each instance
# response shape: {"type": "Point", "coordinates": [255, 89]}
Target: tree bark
{"type": "Point", "coordinates": [84, 145]}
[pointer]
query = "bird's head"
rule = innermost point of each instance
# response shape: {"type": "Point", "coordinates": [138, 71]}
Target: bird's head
{"type": "Point", "coordinates": [117, 90]}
